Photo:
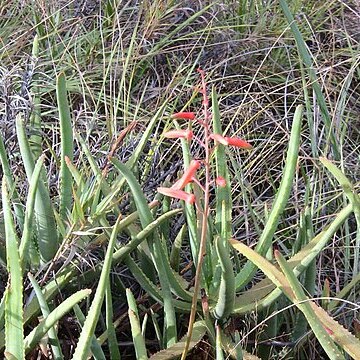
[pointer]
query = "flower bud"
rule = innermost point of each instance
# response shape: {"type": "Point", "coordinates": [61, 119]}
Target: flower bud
{"type": "Point", "coordinates": [184, 116]}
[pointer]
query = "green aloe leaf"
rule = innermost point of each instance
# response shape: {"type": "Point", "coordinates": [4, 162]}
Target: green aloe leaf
{"type": "Point", "coordinates": [14, 332]}
{"type": "Point", "coordinates": [38, 333]}
{"type": "Point", "coordinates": [67, 146]}
{"type": "Point", "coordinates": [281, 199]}
{"type": "Point", "coordinates": [167, 277]}
{"type": "Point", "coordinates": [53, 338]}
{"type": "Point", "coordinates": [226, 295]}
{"type": "Point", "coordinates": [95, 347]}
{"type": "Point", "coordinates": [337, 332]}
{"type": "Point", "coordinates": [263, 294]}
{"type": "Point", "coordinates": [303, 303]}
{"type": "Point", "coordinates": [354, 199]}
{"type": "Point", "coordinates": [83, 345]}
{"type": "Point", "coordinates": [26, 255]}
{"type": "Point", "coordinates": [112, 340]}
{"type": "Point", "coordinates": [138, 339]}
{"type": "Point", "coordinates": [35, 139]}
{"type": "Point", "coordinates": [44, 215]}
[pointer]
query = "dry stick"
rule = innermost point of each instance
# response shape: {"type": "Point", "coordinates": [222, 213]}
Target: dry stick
{"type": "Point", "coordinates": [202, 249]}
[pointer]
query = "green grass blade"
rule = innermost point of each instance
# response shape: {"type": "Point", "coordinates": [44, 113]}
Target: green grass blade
{"type": "Point", "coordinates": [45, 222]}
{"type": "Point", "coordinates": [281, 199]}
{"type": "Point", "coordinates": [306, 58]}
{"type": "Point", "coordinates": [15, 200]}
{"type": "Point", "coordinates": [83, 346]}
{"type": "Point", "coordinates": [14, 332]}
{"type": "Point", "coordinates": [53, 338]}
{"type": "Point", "coordinates": [139, 342]}
{"type": "Point", "coordinates": [38, 333]}
{"type": "Point", "coordinates": [67, 146]}
{"type": "Point", "coordinates": [35, 139]}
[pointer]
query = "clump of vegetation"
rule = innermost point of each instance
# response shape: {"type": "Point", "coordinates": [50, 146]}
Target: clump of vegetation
{"type": "Point", "coordinates": [116, 242]}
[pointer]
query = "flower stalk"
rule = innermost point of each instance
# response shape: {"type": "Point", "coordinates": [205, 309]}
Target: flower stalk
{"type": "Point", "coordinates": [207, 140]}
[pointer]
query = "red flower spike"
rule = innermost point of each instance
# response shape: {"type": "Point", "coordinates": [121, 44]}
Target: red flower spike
{"type": "Point", "coordinates": [184, 116]}
{"type": "Point", "coordinates": [176, 134]}
{"type": "Point", "coordinates": [188, 175]}
{"type": "Point", "coordinates": [177, 194]}
{"type": "Point", "coordinates": [234, 141]}
{"type": "Point", "coordinates": [220, 181]}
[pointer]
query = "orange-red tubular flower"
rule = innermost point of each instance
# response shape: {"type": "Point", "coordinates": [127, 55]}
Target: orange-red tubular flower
{"type": "Point", "coordinates": [220, 181]}
{"type": "Point", "coordinates": [176, 134]}
{"type": "Point", "coordinates": [188, 175]}
{"type": "Point", "coordinates": [233, 141]}
{"type": "Point", "coordinates": [184, 116]}
{"type": "Point", "coordinates": [177, 194]}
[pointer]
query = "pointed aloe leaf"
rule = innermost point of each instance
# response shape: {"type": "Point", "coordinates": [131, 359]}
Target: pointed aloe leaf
{"type": "Point", "coordinates": [44, 215]}
{"type": "Point", "coordinates": [138, 339]}
{"type": "Point", "coordinates": [225, 302]}
{"type": "Point", "coordinates": [174, 351]}
{"type": "Point", "coordinates": [76, 174]}
{"type": "Point", "coordinates": [354, 199]}
{"type": "Point", "coordinates": [263, 294]}
{"type": "Point", "coordinates": [176, 248]}
{"type": "Point", "coordinates": [26, 255]}
{"type": "Point", "coordinates": [39, 332]}
{"type": "Point", "coordinates": [83, 346]}
{"type": "Point", "coordinates": [226, 294]}
{"type": "Point", "coordinates": [304, 305]}
{"type": "Point", "coordinates": [167, 278]}
{"type": "Point", "coordinates": [280, 202]}
{"type": "Point", "coordinates": [53, 338]}
{"type": "Point", "coordinates": [337, 332]}
{"type": "Point", "coordinates": [160, 259]}
{"type": "Point", "coordinates": [223, 194]}
{"type": "Point", "coordinates": [67, 146]}
{"type": "Point", "coordinates": [112, 340]}
{"type": "Point", "coordinates": [150, 288]}
{"type": "Point", "coordinates": [95, 347]}
{"type": "Point", "coordinates": [14, 332]}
